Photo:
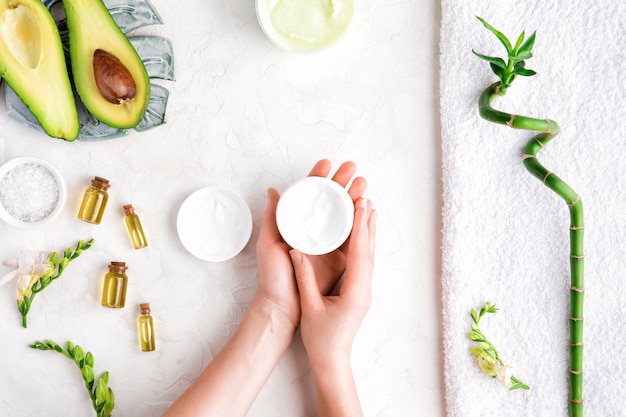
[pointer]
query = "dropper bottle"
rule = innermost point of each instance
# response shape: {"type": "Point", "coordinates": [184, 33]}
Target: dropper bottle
{"type": "Point", "coordinates": [146, 328]}
{"type": "Point", "coordinates": [135, 230]}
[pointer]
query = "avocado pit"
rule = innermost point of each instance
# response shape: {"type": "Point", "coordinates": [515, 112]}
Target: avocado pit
{"type": "Point", "coordinates": [114, 81]}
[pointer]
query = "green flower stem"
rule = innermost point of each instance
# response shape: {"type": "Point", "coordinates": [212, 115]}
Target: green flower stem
{"type": "Point", "coordinates": [102, 397]}
{"type": "Point", "coordinates": [548, 130]}
{"type": "Point", "coordinates": [485, 350]}
{"type": "Point", "coordinates": [55, 271]}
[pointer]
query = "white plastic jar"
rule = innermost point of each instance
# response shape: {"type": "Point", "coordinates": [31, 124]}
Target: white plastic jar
{"type": "Point", "coordinates": [315, 215]}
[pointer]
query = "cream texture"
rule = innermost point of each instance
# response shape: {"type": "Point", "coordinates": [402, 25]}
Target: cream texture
{"type": "Point", "coordinates": [305, 24]}
{"type": "Point", "coordinates": [214, 224]}
{"type": "Point", "coordinates": [315, 215]}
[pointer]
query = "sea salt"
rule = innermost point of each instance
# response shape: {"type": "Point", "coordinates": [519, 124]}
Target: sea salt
{"type": "Point", "coordinates": [29, 192]}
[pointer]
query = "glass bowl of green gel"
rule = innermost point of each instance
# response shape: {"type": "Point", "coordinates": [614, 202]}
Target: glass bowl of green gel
{"type": "Point", "coordinates": [304, 25]}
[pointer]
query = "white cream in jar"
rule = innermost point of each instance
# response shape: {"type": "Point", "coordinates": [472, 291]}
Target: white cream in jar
{"type": "Point", "coordinates": [214, 224]}
{"type": "Point", "coordinates": [304, 25]}
{"type": "Point", "coordinates": [315, 215]}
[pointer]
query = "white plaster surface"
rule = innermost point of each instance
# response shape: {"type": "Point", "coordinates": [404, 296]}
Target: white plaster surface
{"type": "Point", "coordinates": [245, 115]}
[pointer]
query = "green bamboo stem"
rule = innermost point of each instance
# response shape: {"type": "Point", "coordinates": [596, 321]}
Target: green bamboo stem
{"type": "Point", "coordinates": [548, 130]}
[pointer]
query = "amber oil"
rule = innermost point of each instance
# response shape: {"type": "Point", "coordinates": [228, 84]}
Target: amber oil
{"type": "Point", "coordinates": [146, 328]}
{"type": "Point", "coordinates": [135, 230]}
{"type": "Point", "coordinates": [115, 283]}
{"type": "Point", "coordinates": [94, 201]}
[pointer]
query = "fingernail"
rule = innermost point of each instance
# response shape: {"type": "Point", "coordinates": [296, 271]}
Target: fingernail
{"type": "Point", "coordinates": [296, 257]}
{"type": "Point", "coordinates": [362, 203]}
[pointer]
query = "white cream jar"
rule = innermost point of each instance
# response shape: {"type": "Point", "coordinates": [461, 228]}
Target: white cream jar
{"type": "Point", "coordinates": [315, 215]}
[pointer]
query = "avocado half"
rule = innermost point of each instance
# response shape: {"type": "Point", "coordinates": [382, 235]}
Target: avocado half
{"type": "Point", "coordinates": [94, 36]}
{"type": "Point", "coordinates": [33, 64]}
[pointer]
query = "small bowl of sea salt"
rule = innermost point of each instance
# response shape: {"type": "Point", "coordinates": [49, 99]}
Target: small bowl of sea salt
{"type": "Point", "coordinates": [32, 192]}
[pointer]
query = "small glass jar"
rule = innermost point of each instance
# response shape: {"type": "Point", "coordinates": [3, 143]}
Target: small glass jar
{"type": "Point", "coordinates": [135, 230]}
{"type": "Point", "coordinates": [115, 283]}
{"type": "Point", "coordinates": [94, 201]}
{"type": "Point", "coordinates": [146, 328]}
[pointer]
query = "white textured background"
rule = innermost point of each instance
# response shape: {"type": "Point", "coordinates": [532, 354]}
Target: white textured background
{"type": "Point", "coordinates": [248, 116]}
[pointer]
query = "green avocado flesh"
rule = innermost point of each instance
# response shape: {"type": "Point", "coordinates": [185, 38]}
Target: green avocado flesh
{"type": "Point", "coordinates": [103, 84]}
{"type": "Point", "coordinates": [33, 64]}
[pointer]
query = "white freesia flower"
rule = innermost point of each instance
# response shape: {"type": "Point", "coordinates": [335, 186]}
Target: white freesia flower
{"type": "Point", "coordinates": [503, 373]}
{"type": "Point", "coordinates": [29, 267]}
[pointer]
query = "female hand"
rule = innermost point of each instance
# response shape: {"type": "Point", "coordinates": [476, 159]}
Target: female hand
{"type": "Point", "coordinates": [277, 287]}
{"type": "Point", "coordinates": [329, 323]}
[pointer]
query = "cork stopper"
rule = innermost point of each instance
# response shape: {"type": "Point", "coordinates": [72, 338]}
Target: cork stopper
{"type": "Point", "coordinates": [119, 267]}
{"type": "Point", "coordinates": [145, 308]}
{"type": "Point", "coordinates": [100, 183]}
{"type": "Point", "coordinates": [129, 209]}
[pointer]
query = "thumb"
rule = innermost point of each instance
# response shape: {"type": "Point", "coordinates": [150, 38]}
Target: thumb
{"type": "Point", "coordinates": [305, 278]}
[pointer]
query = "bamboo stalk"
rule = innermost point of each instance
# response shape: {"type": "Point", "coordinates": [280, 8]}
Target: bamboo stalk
{"type": "Point", "coordinates": [548, 130]}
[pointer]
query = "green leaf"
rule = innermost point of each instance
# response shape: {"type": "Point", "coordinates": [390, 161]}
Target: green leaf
{"type": "Point", "coordinates": [505, 41]}
{"type": "Point", "coordinates": [497, 70]}
{"type": "Point", "coordinates": [491, 59]}
{"type": "Point", "coordinates": [520, 39]}
{"type": "Point", "coordinates": [528, 45]}
{"type": "Point", "coordinates": [521, 56]}
{"type": "Point", "coordinates": [68, 252]}
{"type": "Point", "coordinates": [524, 72]}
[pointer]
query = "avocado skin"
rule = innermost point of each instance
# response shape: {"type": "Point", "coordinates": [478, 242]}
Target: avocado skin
{"type": "Point", "coordinates": [91, 27]}
{"type": "Point", "coordinates": [40, 79]}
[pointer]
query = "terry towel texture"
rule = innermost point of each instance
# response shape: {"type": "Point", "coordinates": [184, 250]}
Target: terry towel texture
{"type": "Point", "coordinates": [506, 235]}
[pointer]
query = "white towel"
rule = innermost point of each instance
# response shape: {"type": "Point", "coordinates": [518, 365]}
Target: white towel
{"type": "Point", "coordinates": [506, 235]}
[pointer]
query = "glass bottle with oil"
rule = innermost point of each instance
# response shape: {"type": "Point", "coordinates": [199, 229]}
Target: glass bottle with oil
{"type": "Point", "coordinates": [146, 328]}
{"type": "Point", "coordinates": [115, 283]}
{"type": "Point", "coordinates": [94, 201]}
{"type": "Point", "coordinates": [135, 230]}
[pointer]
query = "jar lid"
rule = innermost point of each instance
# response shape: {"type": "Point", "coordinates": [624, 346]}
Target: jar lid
{"type": "Point", "coordinates": [145, 308]}
{"type": "Point", "coordinates": [100, 182]}
{"type": "Point", "coordinates": [118, 266]}
{"type": "Point", "coordinates": [129, 209]}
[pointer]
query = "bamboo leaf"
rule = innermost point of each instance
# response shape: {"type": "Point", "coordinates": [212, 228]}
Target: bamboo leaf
{"type": "Point", "coordinates": [505, 41]}
{"type": "Point", "coordinates": [520, 39]}
{"type": "Point", "coordinates": [497, 70]}
{"type": "Point", "coordinates": [499, 62]}
{"type": "Point", "coordinates": [521, 56]}
{"type": "Point", "coordinates": [524, 72]}
{"type": "Point", "coordinates": [528, 45]}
